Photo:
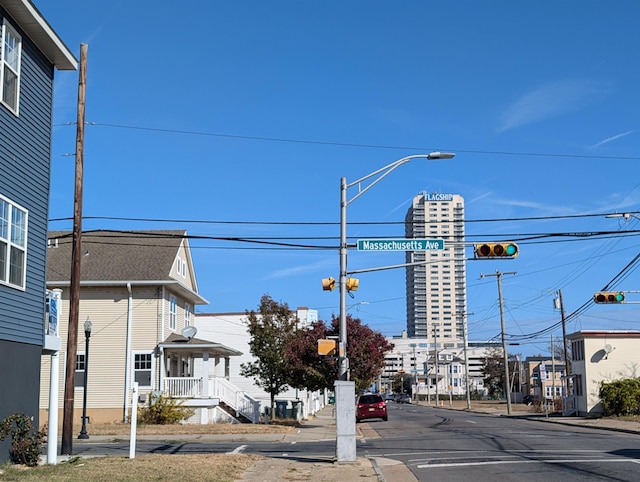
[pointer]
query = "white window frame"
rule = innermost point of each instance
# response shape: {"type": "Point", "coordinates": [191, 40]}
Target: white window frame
{"type": "Point", "coordinates": [173, 312]}
{"type": "Point", "coordinates": [187, 314]}
{"type": "Point", "coordinates": [14, 223]}
{"type": "Point", "coordinates": [149, 355]}
{"type": "Point", "coordinates": [13, 67]}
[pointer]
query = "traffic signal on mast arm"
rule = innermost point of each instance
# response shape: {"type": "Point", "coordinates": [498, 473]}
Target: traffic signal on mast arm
{"type": "Point", "coordinates": [496, 250]}
{"type": "Point", "coordinates": [328, 284]}
{"type": "Point", "coordinates": [609, 297]}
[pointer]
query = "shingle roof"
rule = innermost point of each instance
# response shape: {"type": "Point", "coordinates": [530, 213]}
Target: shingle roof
{"type": "Point", "coordinates": [115, 255]}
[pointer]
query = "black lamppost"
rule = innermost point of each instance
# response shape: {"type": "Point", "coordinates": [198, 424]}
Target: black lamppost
{"type": "Point", "coordinates": [87, 335]}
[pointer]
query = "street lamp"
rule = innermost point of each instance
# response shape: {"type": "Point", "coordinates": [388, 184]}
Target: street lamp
{"type": "Point", "coordinates": [87, 335]}
{"type": "Point", "coordinates": [343, 361]}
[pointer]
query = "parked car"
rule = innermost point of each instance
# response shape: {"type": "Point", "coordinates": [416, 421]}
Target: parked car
{"type": "Point", "coordinates": [371, 405]}
{"type": "Point", "coordinates": [403, 398]}
{"type": "Point", "coordinates": [389, 397]}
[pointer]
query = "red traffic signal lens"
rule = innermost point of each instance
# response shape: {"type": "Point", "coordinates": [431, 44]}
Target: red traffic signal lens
{"type": "Point", "coordinates": [485, 250]}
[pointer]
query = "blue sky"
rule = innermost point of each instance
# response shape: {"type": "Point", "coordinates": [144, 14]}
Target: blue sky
{"type": "Point", "coordinates": [246, 114]}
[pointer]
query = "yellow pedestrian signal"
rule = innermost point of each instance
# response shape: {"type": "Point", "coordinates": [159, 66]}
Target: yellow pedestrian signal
{"type": "Point", "coordinates": [328, 284]}
{"type": "Point", "coordinates": [609, 297]}
{"type": "Point", "coordinates": [326, 346]}
{"type": "Point", "coordinates": [496, 250]}
{"type": "Point", "coordinates": [352, 284]}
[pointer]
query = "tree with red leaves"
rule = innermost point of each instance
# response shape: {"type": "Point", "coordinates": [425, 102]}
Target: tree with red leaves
{"type": "Point", "coordinates": [365, 349]}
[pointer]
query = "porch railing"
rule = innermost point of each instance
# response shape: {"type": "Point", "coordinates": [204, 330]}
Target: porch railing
{"type": "Point", "coordinates": [227, 392]}
{"type": "Point", "coordinates": [183, 387]}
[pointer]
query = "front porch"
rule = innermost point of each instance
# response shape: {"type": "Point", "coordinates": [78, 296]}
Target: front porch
{"type": "Point", "coordinates": [205, 393]}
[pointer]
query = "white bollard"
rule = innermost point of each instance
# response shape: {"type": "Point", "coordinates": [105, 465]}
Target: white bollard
{"type": "Point", "coordinates": [134, 421]}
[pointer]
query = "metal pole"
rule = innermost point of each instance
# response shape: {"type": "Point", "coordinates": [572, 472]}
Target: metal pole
{"type": "Point", "coordinates": [83, 432]}
{"type": "Point", "coordinates": [435, 344]}
{"type": "Point", "coordinates": [343, 362]}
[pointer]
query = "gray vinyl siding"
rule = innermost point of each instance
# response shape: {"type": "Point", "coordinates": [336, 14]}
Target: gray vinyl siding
{"type": "Point", "coordinates": [25, 153]}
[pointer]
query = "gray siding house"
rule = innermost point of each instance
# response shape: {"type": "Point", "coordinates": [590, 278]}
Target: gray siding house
{"type": "Point", "coordinates": [30, 51]}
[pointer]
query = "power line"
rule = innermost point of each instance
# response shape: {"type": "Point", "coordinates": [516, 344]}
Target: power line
{"type": "Point", "coordinates": [344, 144]}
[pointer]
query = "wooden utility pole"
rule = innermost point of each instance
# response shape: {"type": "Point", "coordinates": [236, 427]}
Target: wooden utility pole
{"type": "Point", "coordinates": [567, 368]}
{"type": "Point", "coordinates": [505, 354]}
{"type": "Point", "coordinates": [76, 256]}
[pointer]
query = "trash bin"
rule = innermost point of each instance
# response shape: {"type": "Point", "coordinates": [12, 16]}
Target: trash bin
{"type": "Point", "coordinates": [296, 409]}
{"type": "Point", "coordinates": [281, 408]}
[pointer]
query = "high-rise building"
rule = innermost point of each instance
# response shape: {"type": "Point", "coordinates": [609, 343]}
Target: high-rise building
{"type": "Point", "coordinates": [436, 279]}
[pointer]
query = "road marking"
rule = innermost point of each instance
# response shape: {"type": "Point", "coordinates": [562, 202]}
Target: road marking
{"type": "Point", "coordinates": [238, 450]}
{"type": "Point", "coordinates": [504, 462]}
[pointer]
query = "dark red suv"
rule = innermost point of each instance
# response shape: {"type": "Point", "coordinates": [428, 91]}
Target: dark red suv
{"type": "Point", "coordinates": [371, 405]}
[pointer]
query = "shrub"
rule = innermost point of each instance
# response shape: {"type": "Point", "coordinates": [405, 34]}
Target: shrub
{"type": "Point", "coordinates": [26, 443]}
{"type": "Point", "coordinates": [620, 397]}
{"type": "Point", "coordinates": [164, 410]}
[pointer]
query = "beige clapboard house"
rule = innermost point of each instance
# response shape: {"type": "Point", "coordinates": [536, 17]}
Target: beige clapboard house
{"type": "Point", "coordinates": [139, 290]}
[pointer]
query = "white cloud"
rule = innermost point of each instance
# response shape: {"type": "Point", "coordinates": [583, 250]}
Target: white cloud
{"type": "Point", "coordinates": [612, 138]}
{"type": "Point", "coordinates": [550, 100]}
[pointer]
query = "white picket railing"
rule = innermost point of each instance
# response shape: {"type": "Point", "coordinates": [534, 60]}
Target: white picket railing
{"type": "Point", "coordinates": [221, 388]}
{"type": "Point", "coordinates": [183, 387]}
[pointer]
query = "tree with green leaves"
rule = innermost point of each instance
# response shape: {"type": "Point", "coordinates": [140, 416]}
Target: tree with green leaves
{"type": "Point", "coordinates": [271, 330]}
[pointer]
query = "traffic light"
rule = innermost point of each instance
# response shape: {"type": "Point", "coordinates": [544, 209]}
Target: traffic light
{"type": "Point", "coordinates": [326, 346]}
{"type": "Point", "coordinates": [496, 250]}
{"type": "Point", "coordinates": [328, 284]}
{"type": "Point", "coordinates": [352, 284]}
{"type": "Point", "coordinates": [609, 297]}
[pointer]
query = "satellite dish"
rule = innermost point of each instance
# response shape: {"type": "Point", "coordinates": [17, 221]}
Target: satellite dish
{"type": "Point", "coordinates": [608, 348]}
{"type": "Point", "coordinates": [189, 332]}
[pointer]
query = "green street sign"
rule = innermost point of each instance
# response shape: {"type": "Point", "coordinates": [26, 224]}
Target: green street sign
{"type": "Point", "coordinates": [405, 244]}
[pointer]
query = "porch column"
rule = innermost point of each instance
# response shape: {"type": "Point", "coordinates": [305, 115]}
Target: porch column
{"type": "Point", "coordinates": [205, 376]}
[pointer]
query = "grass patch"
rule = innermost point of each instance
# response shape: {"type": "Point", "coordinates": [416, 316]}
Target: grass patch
{"type": "Point", "coordinates": [185, 468]}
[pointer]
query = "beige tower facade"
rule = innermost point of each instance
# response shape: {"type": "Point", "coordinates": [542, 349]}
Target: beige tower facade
{"type": "Point", "coordinates": [436, 287]}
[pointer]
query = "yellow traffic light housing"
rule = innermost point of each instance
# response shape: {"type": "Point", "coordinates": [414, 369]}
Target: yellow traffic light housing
{"type": "Point", "coordinates": [496, 250]}
{"type": "Point", "coordinates": [609, 297]}
{"type": "Point", "coordinates": [328, 284]}
{"type": "Point", "coordinates": [326, 346]}
{"type": "Point", "coordinates": [352, 284]}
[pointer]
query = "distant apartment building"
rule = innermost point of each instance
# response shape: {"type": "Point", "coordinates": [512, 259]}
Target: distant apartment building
{"type": "Point", "coordinates": [436, 279]}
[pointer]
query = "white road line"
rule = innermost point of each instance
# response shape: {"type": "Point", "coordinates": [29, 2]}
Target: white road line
{"type": "Point", "coordinates": [504, 462]}
{"type": "Point", "coordinates": [238, 450]}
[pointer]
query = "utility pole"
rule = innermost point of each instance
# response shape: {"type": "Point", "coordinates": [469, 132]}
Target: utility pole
{"type": "Point", "coordinates": [564, 342]}
{"type": "Point", "coordinates": [465, 336]}
{"type": "Point", "coordinates": [76, 256]}
{"type": "Point", "coordinates": [498, 276]}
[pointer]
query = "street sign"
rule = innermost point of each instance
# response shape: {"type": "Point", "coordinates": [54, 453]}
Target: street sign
{"type": "Point", "coordinates": [405, 244]}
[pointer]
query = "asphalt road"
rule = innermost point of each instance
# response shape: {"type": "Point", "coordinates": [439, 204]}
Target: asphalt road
{"type": "Point", "coordinates": [447, 445]}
